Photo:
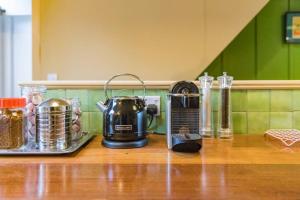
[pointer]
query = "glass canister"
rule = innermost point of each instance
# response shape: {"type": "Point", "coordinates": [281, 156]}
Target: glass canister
{"type": "Point", "coordinates": [206, 114]}
{"type": "Point", "coordinates": [224, 117]}
{"type": "Point", "coordinates": [76, 118]}
{"type": "Point", "coordinates": [34, 96]}
{"type": "Point", "coordinates": [12, 123]}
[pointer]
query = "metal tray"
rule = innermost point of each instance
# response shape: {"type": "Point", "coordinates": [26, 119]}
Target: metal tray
{"type": "Point", "coordinates": [32, 149]}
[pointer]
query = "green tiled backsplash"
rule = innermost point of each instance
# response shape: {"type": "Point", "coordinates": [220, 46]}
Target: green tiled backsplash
{"type": "Point", "coordinates": [253, 111]}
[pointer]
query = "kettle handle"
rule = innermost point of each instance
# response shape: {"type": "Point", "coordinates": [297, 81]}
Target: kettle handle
{"type": "Point", "coordinates": [126, 74]}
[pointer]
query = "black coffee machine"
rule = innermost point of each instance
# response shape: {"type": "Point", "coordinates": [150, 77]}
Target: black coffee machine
{"type": "Point", "coordinates": [124, 119]}
{"type": "Point", "coordinates": [183, 112]}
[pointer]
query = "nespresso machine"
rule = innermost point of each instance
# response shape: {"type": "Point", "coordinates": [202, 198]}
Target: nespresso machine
{"type": "Point", "coordinates": [183, 112]}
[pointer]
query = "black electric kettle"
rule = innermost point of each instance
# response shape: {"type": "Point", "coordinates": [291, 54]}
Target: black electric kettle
{"type": "Point", "coordinates": [124, 119]}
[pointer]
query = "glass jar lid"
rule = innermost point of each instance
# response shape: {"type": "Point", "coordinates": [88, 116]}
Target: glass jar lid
{"type": "Point", "coordinates": [12, 102]}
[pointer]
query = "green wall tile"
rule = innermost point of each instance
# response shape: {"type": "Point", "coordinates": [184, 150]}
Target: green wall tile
{"type": "Point", "coordinates": [258, 122]}
{"type": "Point", "coordinates": [138, 92]}
{"type": "Point", "coordinates": [272, 53]}
{"type": "Point", "coordinates": [258, 100]}
{"type": "Point", "coordinates": [85, 121]}
{"type": "Point", "coordinates": [296, 120]}
{"type": "Point", "coordinates": [55, 93]}
{"type": "Point", "coordinates": [95, 122]}
{"type": "Point", "coordinates": [279, 120]}
{"type": "Point", "coordinates": [239, 100]}
{"type": "Point", "coordinates": [161, 123]}
{"type": "Point", "coordinates": [149, 92]}
{"type": "Point", "coordinates": [94, 96]}
{"type": "Point", "coordinates": [281, 100]}
{"type": "Point", "coordinates": [215, 121]}
{"type": "Point", "coordinates": [156, 124]}
{"type": "Point", "coordinates": [152, 92]}
{"type": "Point", "coordinates": [163, 100]}
{"type": "Point", "coordinates": [122, 92]}
{"type": "Point", "coordinates": [82, 95]}
{"type": "Point", "coordinates": [296, 100]}
{"type": "Point", "coordinates": [257, 103]}
{"type": "Point", "coordinates": [215, 99]}
{"type": "Point", "coordinates": [240, 63]}
{"type": "Point", "coordinates": [153, 126]}
{"type": "Point", "coordinates": [239, 122]}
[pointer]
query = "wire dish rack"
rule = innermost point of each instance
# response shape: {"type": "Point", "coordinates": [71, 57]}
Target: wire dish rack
{"type": "Point", "coordinates": [287, 136]}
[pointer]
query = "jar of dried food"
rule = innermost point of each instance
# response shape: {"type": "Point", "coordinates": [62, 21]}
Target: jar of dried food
{"type": "Point", "coordinates": [76, 118]}
{"type": "Point", "coordinates": [34, 96]}
{"type": "Point", "coordinates": [12, 123]}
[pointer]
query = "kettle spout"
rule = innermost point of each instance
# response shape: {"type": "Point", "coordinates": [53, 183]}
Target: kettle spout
{"type": "Point", "coordinates": [101, 106]}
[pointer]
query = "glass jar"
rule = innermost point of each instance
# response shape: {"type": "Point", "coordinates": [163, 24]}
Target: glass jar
{"type": "Point", "coordinates": [34, 96]}
{"type": "Point", "coordinates": [12, 123]}
{"type": "Point", "coordinates": [76, 118]}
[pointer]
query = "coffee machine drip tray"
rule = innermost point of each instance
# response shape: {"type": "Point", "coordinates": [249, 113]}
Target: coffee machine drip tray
{"type": "Point", "coordinates": [186, 142]}
{"type": "Point", "coordinates": [124, 145]}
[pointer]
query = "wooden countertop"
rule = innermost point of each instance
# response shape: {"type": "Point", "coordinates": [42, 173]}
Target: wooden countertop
{"type": "Point", "coordinates": [249, 167]}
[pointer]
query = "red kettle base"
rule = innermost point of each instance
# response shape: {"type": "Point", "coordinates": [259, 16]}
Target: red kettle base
{"type": "Point", "coordinates": [123, 144]}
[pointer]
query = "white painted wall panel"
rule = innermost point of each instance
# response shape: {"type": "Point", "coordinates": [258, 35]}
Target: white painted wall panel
{"type": "Point", "coordinates": [16, 7]}
{"type": "Point", "coordinates": [16, 53]}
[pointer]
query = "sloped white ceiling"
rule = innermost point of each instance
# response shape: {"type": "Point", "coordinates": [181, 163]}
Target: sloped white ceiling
{"type": "Point", "coordinates": [155, 39]}
{"type": "Point", "coordinates": [224, 19]}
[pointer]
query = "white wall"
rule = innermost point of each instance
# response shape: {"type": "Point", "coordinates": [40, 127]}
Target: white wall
{"type": "Point", "coordinates": [22, 51]}
{"type": "Point", "coordinates": [95, 39]}
{"type": "Point", "coordinates": [15, 46]}
{"type": "Point", "coordinates": [1, 57]}
{"type": "Point", "coordinates": [16, 7]}
{"type": "Point", "coordinates": [155, 39]}
{"type": "Point", "coordinates": [224, 19]}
